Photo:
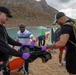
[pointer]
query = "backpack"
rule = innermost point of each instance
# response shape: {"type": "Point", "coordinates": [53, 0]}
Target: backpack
{"type": "Point", "coordinates": [74, 30]}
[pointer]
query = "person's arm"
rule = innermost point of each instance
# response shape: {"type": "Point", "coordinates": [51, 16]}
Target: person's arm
{"type": "Point", "coordinates": [31, 36]}
{"type": "Point", "coordinates": [62, 42]}
{"type": "Point", "coordinates": [6, 49]}
{"type": "Point", "coordinates": [65, 34]}
{"type": "Point", "coordinates": [4, 46]}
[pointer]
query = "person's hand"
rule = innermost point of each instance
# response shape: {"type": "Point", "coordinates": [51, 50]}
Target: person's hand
{"type": "Point", "coordinates": [32, 44]}
{"type": "Point", "coordinates": [26, 55]}
{"type": "Point", "coordinates": [44, 48]}
{"type": "Point", "coordinates": [22, 45]}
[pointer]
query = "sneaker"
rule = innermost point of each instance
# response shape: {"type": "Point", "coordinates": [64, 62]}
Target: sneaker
{"type": "Point", "coordinates": [60, 64]}
{"type": "Point", "coordinates": [26, 73]}
{"type": "Point", "coordinates": [64, 63]}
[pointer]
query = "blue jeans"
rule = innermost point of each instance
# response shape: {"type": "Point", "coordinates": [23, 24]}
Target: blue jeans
{"type": "Point", "coordinates": [40, 42]}
{"type": "Point", "coordinates": [26, 65]}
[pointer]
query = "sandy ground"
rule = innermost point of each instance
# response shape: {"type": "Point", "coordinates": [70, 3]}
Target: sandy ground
{"type": "Point", "coordinates": [49, 68]}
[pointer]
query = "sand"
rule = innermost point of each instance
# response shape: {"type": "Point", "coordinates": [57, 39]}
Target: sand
{"type": "Point", "coordinates": [49, 68]}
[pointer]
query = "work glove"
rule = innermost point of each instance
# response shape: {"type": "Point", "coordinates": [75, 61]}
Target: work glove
{"type": "Point", "coordinates": [31, 45]}
{"type": "Point", "coordinates": [26, 55]}
{"type": "Point", "coordinates": [29, 55]}
{"type": "Point", "coordinates": [22, 45]}
{"type": "Point", "coordinates": [44, 48]}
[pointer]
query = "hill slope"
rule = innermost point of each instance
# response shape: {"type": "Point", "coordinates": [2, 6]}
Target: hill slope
{"type": "Point", "coordinates": [30, 12]}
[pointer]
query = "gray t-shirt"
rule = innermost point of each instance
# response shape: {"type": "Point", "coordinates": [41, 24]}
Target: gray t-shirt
{"type": "Point", "coordinates": [57, 34]}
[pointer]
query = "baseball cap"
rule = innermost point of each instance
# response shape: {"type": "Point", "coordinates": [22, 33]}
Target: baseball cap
{"type": "Point", "coordinates": [6, 11]}
{"type": "Point", "coordinates": [58, 15]}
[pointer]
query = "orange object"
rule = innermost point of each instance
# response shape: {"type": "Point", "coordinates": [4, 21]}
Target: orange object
{"type": "Point", "coordinates": [16, 63]}
{"type": "Point", "coordinates": [47, 35]}
{"type": "Point", "coordinates": [36, 38]}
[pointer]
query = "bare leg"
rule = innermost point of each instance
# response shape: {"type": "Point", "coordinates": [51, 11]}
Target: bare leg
{"type": "Point", "coordinates": [65, 56]}
{"type": "Point", "coordinates": [60, 56]}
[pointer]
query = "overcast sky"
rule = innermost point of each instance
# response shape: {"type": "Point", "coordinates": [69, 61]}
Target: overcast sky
{"type": "Point", "coordinates": [66, 6]}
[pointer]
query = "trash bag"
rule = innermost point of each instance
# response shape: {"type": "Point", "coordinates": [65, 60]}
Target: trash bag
{"type": "Point", "coordinates": [36, 53]}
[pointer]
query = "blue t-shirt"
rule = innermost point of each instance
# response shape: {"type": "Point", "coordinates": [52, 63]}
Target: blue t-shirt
{"type": "Point", "coordinates": [41, 37]}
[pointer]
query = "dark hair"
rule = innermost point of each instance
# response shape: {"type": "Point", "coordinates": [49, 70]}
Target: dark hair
{"type": "Point", "coordinates": [6, 11]}
{"type": "Point", "coordinates": [22, 25]}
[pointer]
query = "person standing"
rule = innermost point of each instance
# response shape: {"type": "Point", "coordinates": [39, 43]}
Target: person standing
{"type": "Point", "coordinates": [66, 38]}
{"type": "Point", "coordinates": [41, 40]}
{"type": "Point", "coordinates": [57, 37]}
{"type": "Point", "coordinates": [5, 40]}
{"type": "Point", "coordinates": [24, 36]}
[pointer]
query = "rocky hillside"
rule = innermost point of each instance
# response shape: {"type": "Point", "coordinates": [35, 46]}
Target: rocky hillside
{"type": "Point", "coordinates": [30, 12]}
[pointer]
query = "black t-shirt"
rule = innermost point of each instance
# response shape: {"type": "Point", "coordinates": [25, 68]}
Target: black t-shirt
{"type": "Point", "coordinates": [67, 29]}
